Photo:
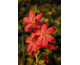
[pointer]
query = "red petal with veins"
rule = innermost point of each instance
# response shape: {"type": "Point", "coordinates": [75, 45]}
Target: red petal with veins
{"type": "Point", "coordinates": [44, 42]}
{"type": "Point", "coordinates": [28, 27]}
{"type": "Point", "coordinates": [50, 38]}
{"type": "Point", "coordinates": [51, 47]}
{"type": "Point", "coordinates": [26, 20]}
{"type": "Point", "coordinates": [32, 35]}
{"type": "Point", "coordinates": [38, 32]}
{"type": "Point", "coordinates": [39, 40]}
{"type": "Point", "coordinates": [38, 17]}
{"type": "Point", "coordinates": [29, 48]}
{"type": "Point", "coordinates": [35, 48]}
{"type": "Point", "coordinates": [28, 40]}
{"type": "Point", "coordinates": [44, 27]}
{"type": "Point", "coordinates": [31, 14]}
{"type": "Point", "coordinates": [50, 30]}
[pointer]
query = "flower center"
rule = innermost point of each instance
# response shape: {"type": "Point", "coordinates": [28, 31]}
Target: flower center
{"type": "Point", "coordinates": [33, 41]}
{"type": "Point", "coordinates": [33, 22]}
{"type": "Point", "coordinates": [43, 34]}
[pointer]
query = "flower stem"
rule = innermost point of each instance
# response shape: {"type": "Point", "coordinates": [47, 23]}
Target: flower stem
{"type": "Point", "coordinates": [41, 55]}
{"type": "Point", "coordinates": [36, 59]}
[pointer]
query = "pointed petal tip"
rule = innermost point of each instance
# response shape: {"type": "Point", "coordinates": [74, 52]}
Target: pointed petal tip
{"type": "Point", "coordinates": [32, 34]}
{"type": "Point", "coordinates": [50, 30]}
{"type": "Point", "coordinates": [31, 11]}
{"type": "Point", "coordinates": [50, 38]}
{"type": "Point", "coordinates": [54, 29]}
{"type": "Point", "coordinates": [44, 27]}
{"type": "Point", "coordinates": [28, 28]}
{"type": "Point", "coordinates": [29, 48]}
{"type": "Point", "coordinates": [31, 14]}
{"type": "Point", "coordinates": [51, 47]}
{"type": "Point", "coordinates": [26, 20]}
{"type": "Point", "coordinates": [38, 17]}
{"type": "Point", "coordinates": [28, 40]}
{"type": "Point", "coordinates": [41, 14]}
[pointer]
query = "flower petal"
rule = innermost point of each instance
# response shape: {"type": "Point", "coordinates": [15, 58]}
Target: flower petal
{"type": "Point", "coordinates": [44, 42]}
{"type": "Point", "coordinates": [28, 40]}
{"type": "Point", "coordinates": [39, 40]}
{"type": "Point", "coordinates": [38, 32]}
{"type": "Point", "coordinates": [50, 38]}
{"type": "Point", "coordinates": [50, 30]}
{"type": "Point", "coordinates": [31, 14]}
{"type": "Point", "coordinates": [29, 48]}
{"type": "Point", "coordinates": [28, 27]}
{"type": "Point", "coordinates": [26, 20]}
{"type": "Point", "coordinates": [46, 58]}
{"type": "Point", "coordinates": [32, 54]}
{"type": "Point", "coordinates": [38, 17]}
{"type": "Point", "coordinates": [40, 23]}
{"type": "Point", "coordinates": [51, 47]}
{"type": "Point", "coordinates": [40, 46]}
{"type": "Point", "coordinates": [35, 48]}
{"type": "Point", "coordinates": [44, 27]}
{"type": "Point", "coordinates": [35, 29]}
{"type": "Point", "coordinates": [32, 35]}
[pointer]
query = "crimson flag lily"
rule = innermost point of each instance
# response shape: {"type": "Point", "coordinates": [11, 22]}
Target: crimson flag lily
{"type": "Point", "coordinates": [32, 46]}
{"type": "Point", "coordinates": [33, 54]}
{"type": "Point", "coordinates": [51, 47]}
{"type": "Point", "coordinates": [33, 21]}
{"type": "Point", "coordinates": [44, 36]}
{"type": "Point", "coordinates": [46, 58]}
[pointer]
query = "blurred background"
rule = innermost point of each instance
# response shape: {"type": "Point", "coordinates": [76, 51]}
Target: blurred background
{"type": "Point", "coordinates": [51, 10]}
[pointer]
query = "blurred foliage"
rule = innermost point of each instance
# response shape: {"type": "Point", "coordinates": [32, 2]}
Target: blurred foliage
{"type": "Point", "coordinates": [51, 10]}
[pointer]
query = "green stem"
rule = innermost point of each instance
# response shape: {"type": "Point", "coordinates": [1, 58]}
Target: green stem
{"type": "Point", "coordinates": [41, 55]}
{"type": "Point", "coordinates": [36, 59]}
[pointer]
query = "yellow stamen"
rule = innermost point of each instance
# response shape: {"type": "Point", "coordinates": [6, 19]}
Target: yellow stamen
{"type": "Point", "coordinates": [43, 33]}
{"type": "Point", "coordinates": [33, 41]}
{"type": "Point", "coordinates": [33, 23]}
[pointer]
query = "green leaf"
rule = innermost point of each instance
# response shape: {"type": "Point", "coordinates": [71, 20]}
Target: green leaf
{"type": "Point", "coordinates": [35, 9]}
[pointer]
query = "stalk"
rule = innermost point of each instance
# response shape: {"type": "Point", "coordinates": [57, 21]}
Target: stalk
{"type": "Point", "coordinates": [36, 58]}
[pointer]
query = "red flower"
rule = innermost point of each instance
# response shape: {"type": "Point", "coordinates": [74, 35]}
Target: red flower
{"type": "Point", "coordinates": [32, 46]}
{"type": "Point", "coordinates": [44, 36]}
{"type": "Point", "coordinates": [33, 22]}
{"type": "Point", "coordinates": [46, 58]}
{"type": "Point", "coordinates": [33, 54]}
{"type": "Point", "coordinates": [51, 47]}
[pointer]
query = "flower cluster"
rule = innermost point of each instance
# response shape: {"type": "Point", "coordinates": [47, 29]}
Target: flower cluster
{"type": "Point", "coordinates": [39, 38]}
